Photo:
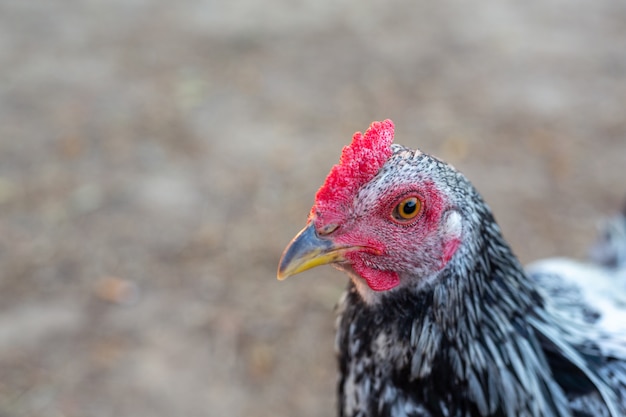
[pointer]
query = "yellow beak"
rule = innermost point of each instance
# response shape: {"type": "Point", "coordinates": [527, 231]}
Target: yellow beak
{"type": "Point", "coordinates": [307, 250]}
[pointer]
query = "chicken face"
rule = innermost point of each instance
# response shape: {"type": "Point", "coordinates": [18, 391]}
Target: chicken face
{"type": "Point", "coordinates": [385, 228]}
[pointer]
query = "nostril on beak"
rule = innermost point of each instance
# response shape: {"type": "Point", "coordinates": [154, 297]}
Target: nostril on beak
{"type": "Point", "coordinates": [328, 229]}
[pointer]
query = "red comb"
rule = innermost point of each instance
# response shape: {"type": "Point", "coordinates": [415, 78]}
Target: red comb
{"type": "Point", "coordinates": [359, 163]}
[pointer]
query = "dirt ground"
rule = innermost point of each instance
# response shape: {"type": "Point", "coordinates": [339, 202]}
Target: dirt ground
{"type": "Point", "coordinates": [157, 156]}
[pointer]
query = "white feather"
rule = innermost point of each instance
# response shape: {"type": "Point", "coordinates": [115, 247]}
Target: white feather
{"type": "Point", "coordinates": [575, 288]}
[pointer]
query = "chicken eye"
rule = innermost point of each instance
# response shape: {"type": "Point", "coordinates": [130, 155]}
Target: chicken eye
{"type": "Point", "coordinates": [408, 209]}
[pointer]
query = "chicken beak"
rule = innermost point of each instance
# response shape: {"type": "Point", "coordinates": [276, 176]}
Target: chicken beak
{"type": "Point", "coordinates": [307, 250]}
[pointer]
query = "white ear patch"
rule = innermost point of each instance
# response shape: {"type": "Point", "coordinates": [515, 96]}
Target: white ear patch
{"type": "Point", "coordinates": [452, 225]}
{"type": "Point", "coordinates": [450, 236]}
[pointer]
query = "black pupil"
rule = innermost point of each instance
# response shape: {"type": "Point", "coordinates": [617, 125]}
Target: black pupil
{"type": "Point", "coordinates": [409, 207]}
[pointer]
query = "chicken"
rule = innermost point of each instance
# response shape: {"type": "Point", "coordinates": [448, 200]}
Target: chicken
{"type": "Point", "coordinates": [439, 317]}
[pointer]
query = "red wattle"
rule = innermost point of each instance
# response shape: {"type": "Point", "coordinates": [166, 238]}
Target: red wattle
{"type": "Point", "coordinates": [377, 280]}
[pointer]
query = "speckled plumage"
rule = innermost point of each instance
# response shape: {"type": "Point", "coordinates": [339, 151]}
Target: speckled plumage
{"type": "Point", "coordinates": [469, 332]}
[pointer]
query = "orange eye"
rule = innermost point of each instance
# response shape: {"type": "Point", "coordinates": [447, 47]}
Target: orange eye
{"type": "Point", "coordinates": [408, 209]}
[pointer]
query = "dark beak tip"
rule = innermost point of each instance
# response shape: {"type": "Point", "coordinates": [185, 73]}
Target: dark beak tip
{"type": "Point", "coordinates": [305, 251]}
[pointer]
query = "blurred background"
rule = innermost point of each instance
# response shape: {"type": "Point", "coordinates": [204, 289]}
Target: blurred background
{"type": "Point", "coordinates": [157, 156]}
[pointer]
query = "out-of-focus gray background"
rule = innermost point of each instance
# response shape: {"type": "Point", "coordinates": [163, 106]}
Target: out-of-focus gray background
{"type": "Point", "coordinates": [157, 156]}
